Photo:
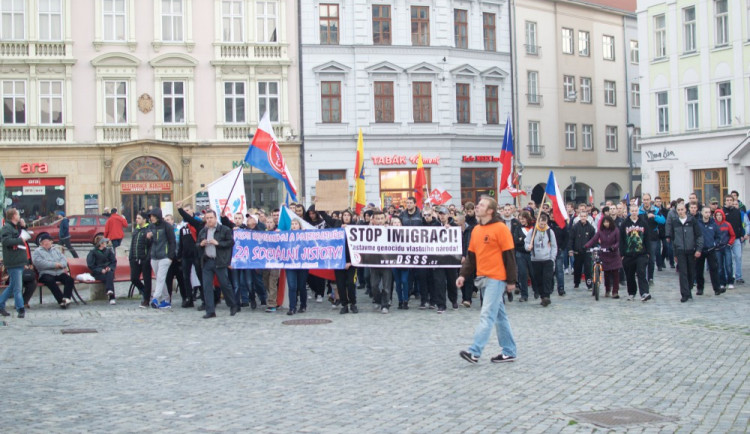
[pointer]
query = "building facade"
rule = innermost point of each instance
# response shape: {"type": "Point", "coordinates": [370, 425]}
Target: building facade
{"type": "Point", "coordinates": [138, 103]}
{"type": "Point", "coordinates": [415, 76]}
{"type": "Point", "coordinates": [696, 101]}
{"type": "Point", "coordinates": [572, 93]}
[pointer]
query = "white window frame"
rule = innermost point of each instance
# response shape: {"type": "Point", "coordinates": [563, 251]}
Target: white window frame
{"type": "Point", "coordinates": [611, 138]}
{"type": "Point", "coordinates": [113, 98]}
{"type": "Point", "coordinates": [608, 47]}
{"type": "Point", "coordinates": [169, 20]}
{"type": "Point", "coordinates": [229, 34]}
{"type": "Point", "coordinates": [47, 100]}
{"type": "Point", "coordinates": [584, 43]}
{"type": "Point", "coordinates": [724, 103]}
{"type": "Point", "coordinates": [586, 90]}
{"type": "Point", "coordinates": [15, 96]}
{"type": "Point", "coordinates": [692, 112]}
{"type": "Point", "coordinates": [268, 97]}
{"type": "Point", "coordinates": [532, 84]}
{"type": "Point", "coordinates": [610, 93]}
{"type": "Point", "coordinates": [109, 29]}
{"type": "Point", "coordinates": [662, 112]}
{"type": "Point", "coordinates": [534, 148]}
{"type": "Point", "coordinates": [266, 21]}
{"type": "Point", "coordinates": [635, 138]}
{"type": "Point", "coordinates": [635, 52]}
{"type": "Point", "coordinates": [570, 137]}
{"type": "Point", "coordinates": [566, 36]}
{"type": "Point", "coordinates": [531, 38]}
{"type": "Point", "coordinates": [14, 13]}
{"type": "Point", "coordinates": [587, 137]}
{"type": "Point", "coordinates": [688, 30]}
{"type": "Point", "coordinates": [569, 88]}
{"type": "Point", "coordinates": [237, 99]}
{"type": "Point", "coordinates": [173, 96]}
{"type": "Point", "coordinates": [660, 36]}
{"type": "Point", "coordinates": [46, 20]}
{"type": "Point", "coordinates": [635, 95]}
{"type": "Point", "coordinates": [721, 23]}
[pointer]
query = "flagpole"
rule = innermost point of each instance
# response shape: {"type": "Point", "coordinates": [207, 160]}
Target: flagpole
{"type": "Point", "coordinates": [539, 213]}
{"type": "Point", "coordinates": [191, 195]}
{"type": "Point", "coordinates": [239, 173]}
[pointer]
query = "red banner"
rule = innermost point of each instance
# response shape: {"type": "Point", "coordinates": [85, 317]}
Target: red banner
{"type": "Point", "coordinates": [26, 182]}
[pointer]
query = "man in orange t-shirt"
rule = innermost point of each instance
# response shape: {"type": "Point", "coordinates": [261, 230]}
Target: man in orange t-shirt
{"type": "Point", "coordinates": [491, 255]}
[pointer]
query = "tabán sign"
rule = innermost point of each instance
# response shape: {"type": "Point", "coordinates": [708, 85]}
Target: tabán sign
{"type": "Point", "coordinates": [143, 186]}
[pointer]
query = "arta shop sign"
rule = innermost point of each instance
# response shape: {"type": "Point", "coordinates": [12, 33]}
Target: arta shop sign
{"type": "Point", "coordinates": [401, 160]}
{"type": "Point", "coordinates": [34, 168]}
{"type": "Point", "coordinates": [480, 159]}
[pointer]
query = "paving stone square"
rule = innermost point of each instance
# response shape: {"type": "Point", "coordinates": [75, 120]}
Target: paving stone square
{"type": "Point", "coordinates": [147, 370]}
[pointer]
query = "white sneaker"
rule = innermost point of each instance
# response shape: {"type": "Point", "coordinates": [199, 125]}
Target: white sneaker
{"type": "Point", "coordinates": [67, 301]}
{"type": "Point", "coordinates": [319, 299]}
{"type": "Point", "coordinates": [384, 310]}
{"type": "Point", "coordinates": [631, 297]}
{"type": "Point", "coordinates": [730, 286]}
{"type": "Point", "coordinates": [112, 301]}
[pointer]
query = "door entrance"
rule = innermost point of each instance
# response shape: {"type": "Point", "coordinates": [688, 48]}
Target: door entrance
{"type": "Point", "coordinates": [135, 203]}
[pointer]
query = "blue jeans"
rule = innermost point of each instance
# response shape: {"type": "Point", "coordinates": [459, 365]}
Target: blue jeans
{"type": "Point", "coordinates": [255, 282]}
{"type": "Point", "coordinates": [737, 259]}
{"type": "Point", "coordinates": [559, 271]}
{"type": "Point", "coordinates": [241, 284]}
{"type": "Point", "coordinates": [297, 282]}
{"type": "Point", "coordinates": [493, 313]}
{"type": "Point", "coordinates": [523, 262]}
{"type": "Point", "coordinates": [401, 278]}
{"type": "Point", "coordinates": [654, 247]}
{"type": "Point", "coordinates": [15, 285]}
{"type": "Point", "coordinates": [724, 259]}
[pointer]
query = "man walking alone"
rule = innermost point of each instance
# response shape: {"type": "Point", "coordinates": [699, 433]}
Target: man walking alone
{"type": "Point", "coordinates": [491, 257]}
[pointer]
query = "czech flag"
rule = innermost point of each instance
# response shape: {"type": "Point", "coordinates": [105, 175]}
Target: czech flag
{"type": "Point", "coordinates": [420, 183]}
{"type": "Point", "coordinates": [264, 153]}
{"type": "Point", "coordinates": [506, 158]}
{"type": "Point", "coordinates": [359, 176]}
{"type": "Point", "coordinates": [558, 204]}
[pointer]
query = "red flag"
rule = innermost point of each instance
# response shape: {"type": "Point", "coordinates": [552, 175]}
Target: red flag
{"type": "Point", "coordinates": [506, 158]}
{"type": "Point", "coordinates": [420, 183]}
{"type": "Point", "coordinates": [439, 197]}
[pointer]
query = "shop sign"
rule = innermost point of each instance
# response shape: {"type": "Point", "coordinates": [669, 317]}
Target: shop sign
{"type": "Point", "coordinates": [34, 190]}
{"type": "Point", "coordinates": [401, 160]}
{"type": "Point", "coordinates": [91, 204]}
{"type": "Point", "coordinates": [480, 159]}
{"type": "Point", "coordinates": [238, 163]}
{"type": "Point", "coordinates": [201, 200]}
{"type": "Point", "coordinates": [21, 182]}
{"type": "Point", "coordinates": [144, 186]}
{"type": "Point", "coordinates": [660, 156]}
{"type": "Point", "coordinates": [34, 168]}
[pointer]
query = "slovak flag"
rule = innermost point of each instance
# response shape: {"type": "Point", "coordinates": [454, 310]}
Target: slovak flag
{"type": "Point", "coordinates": [264, 153]}
{"type": "Point", "coordinates": [558, 204]}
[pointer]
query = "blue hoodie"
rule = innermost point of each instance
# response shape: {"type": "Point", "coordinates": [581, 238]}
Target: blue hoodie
{"type": "Point", "coordinates": [711, 234]}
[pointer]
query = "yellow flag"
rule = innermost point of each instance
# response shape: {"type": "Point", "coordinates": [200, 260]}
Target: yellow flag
{"type": "Point", "coordinates": [359, 176]}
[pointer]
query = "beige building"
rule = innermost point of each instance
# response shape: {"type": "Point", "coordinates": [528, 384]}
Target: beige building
{"type": "Point", "coordinates": [572, 96]}
{"type": "Point", "coordinates": [137, 103]}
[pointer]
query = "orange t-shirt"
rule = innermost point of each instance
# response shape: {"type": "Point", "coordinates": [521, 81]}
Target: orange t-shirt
{"type": "Point", "coordinates": [488, 242]}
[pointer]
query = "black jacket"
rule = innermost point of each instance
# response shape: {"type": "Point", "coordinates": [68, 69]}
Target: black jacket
{"type": "Point", "coordinates": [519, 238]}
{"type": "Point", "coordinates": [561, 235]}
{"type": "Point", "coordinates": [98, 260]}
{"type": "Point", "coordinates": [734, 218]}
{"type": "Point", "coordinates": [411, 219]}
{"type": "Point", "coordinates": [163, 245]}
{"type": "Point", "coordinates": [140, 245]}
{"type": "Point", "coordinates": [225, 237]}
{"type": "Point", "coordinates": [580, 234]}
{"type": "Point", "coordinates": [686, 237]}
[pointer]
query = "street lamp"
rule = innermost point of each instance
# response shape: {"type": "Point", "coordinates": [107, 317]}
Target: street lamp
{"type": "Point", "coordinates": [631, 128]}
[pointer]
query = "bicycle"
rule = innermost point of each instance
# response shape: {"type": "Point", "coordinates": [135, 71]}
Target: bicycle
{"type": "Point", "coordinates": [596, 279]}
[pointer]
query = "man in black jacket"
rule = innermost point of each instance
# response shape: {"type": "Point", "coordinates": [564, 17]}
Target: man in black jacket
{"type": "Point", "coordinates": [140, 258]}
{"type": "Point", "coordinates": [102, 263]}
{"type": "Point", "coordinates": [216, 242]}
{"type": "Point", "coordinates": [687, 240]}
{"type": "Point", "coordinates": [580, 234]}
{"type": "Point", "coordinates": [190, 254]}
{"type": "Point", "coordinates": [561, 235]}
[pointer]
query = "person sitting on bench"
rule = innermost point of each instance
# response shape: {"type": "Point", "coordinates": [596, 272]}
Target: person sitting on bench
{"type": "Point", "coordinates": [102, 263]}
{"type": "Point", "coordinates": [52, 267]}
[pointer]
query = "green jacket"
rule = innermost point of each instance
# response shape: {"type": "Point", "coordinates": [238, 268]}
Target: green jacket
{"type": "Point", "coordinates": [14, 254]}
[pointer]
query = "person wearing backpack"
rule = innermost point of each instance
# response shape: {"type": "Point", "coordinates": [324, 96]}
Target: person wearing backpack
{"type": "Point", "coordinates": [541, 244]}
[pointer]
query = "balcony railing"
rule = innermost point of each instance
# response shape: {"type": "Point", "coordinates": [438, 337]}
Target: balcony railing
{"type": "Point", "coordinates": [533, 99]}
{"type": "Point", "coordinates": [117, 133]}
{"type": "Point", "coordinates": [533, 50]}
{"type": "Point", "coordinates": [536, 151]}
{"type": "Point", "coordinates": [250, 52]}
{"type": "Point", "coordinates": [240, 133]}
{"type": "Point", "coordinates": [39, 49]}
{"type": "Point", "coordinates": [178, 133]}
{"type": "Point", "coordinates": [34, 134]}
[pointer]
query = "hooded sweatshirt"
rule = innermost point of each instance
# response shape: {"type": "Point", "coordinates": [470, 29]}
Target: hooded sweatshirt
{"type": "Point", "coordinates": [711, 234]}
{"type": "Point", "coordinates": [162, 239]}
{"type": "Point", "coordinates": [545, 245]}
{"type": "Point", "coordinates": [727, 232]}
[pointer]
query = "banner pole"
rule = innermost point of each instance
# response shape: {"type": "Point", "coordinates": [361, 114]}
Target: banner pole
{"type": "Point", "coordinates": [191, 195]}
{"type": "Point", "coordinates": [239, 173]}
{"type": "Point", "coordinates": [538, 214]}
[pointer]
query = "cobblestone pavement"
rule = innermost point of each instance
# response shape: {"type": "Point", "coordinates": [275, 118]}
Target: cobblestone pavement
{"type": "Point", "coordinates": [148, 370]}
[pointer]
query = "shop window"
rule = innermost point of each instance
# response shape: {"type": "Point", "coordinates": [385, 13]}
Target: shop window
{"type": "Point", "coordinates": [331, 175]}
{"type": "Point", "coordinates": [398, 184]}
{"type": "Point", "coordinates": [477, 182]}
{"type": "Point", "coordinates": [35, 198]}
{"type": "Point", "coordinates": [709, 184]}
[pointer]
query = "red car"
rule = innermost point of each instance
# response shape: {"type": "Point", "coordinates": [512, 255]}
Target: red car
{"type": "Point", "coordinates": [83, 228]}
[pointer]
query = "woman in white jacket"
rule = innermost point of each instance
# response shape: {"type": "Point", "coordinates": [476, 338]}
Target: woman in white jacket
{"type": "Point", "coordinates": [543, 253]}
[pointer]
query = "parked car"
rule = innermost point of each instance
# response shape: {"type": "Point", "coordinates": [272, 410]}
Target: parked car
{"type": "Point", "coordinates": [83, 228]}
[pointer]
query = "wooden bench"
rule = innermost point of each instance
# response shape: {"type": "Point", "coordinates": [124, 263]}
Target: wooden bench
{"type": "Point", "coordinates": [78, 266]}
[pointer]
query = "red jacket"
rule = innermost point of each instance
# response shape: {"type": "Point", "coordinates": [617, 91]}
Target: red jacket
{"type": "Point", "coordinates": [728, 236]}
{"type": "Point", "coordinates": [114, 226]}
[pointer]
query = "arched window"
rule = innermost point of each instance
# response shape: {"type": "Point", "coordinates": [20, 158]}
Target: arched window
{"type": "Point", "coordinates": [146, 169]}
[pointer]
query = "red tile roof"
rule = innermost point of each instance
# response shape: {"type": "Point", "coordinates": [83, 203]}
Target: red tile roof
{"type": "Point", "coordinates": [626, 5]}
